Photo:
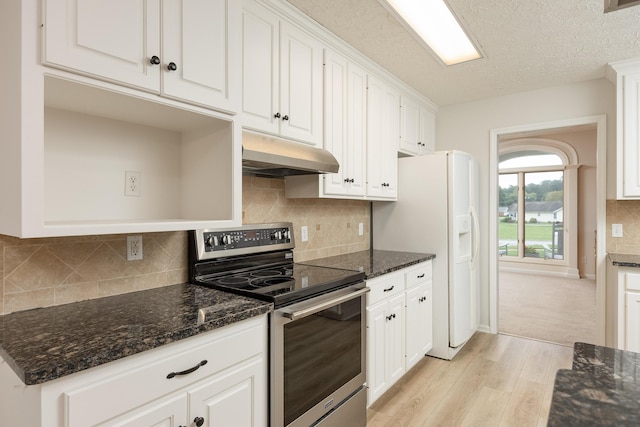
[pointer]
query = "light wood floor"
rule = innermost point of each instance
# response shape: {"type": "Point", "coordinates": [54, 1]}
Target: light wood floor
{"type": "Point", "coordinates": [547, 308]}
{"type": "Point", "coordinates": [495, 380]}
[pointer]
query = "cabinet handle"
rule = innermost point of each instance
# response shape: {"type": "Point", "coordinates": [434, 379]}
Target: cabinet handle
{"type": "Point", "coordinates": [199, 421]}
{"type": "Point", "coordinates": [391, 316]}
{"type": "Point", "coordinates": [389, 289]}
{"type": "Point", "coordinates": [188, 371]}
{"type": "Point", "coordinates": [420, 276]}
{"type": "Point", "coordinates": [154, 60]}
{"type": "Point", "coordinates": [276, 115]}
{"type": "Point", "coordinates": [285, 117]}
{"type": "Point", "coordinates": [172, 66]}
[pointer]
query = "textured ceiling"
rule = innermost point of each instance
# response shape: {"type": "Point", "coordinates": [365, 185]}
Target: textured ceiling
{"type": "Point", "coordinates": [528, 44]}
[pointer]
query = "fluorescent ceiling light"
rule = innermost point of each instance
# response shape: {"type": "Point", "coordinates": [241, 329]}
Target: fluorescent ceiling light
{"type": "Point", "coordinates": [432, 22]}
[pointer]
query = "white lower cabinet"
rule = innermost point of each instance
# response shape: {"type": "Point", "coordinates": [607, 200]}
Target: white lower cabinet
{"type": "Point", "coordinates": [217, 378]}
{"type": "Point", "coordinates": [627, 309]}
{"type": "Point", "coordinates": [399, 325]}
{"type": "Point", "coordinates": [418, 314]}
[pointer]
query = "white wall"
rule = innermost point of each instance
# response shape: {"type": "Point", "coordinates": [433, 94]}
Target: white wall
{"type": "Point", "coordinates": [466, 127]}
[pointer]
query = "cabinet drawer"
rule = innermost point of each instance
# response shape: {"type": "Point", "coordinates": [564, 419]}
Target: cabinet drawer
{"type": "Point", "coordinates": [384, 287]}
{"type": "Point", "coordinates": [147, 379]}
{"type": "Point", "coordinates": [419, 274]}
{"type": "Point", "coordinates": [632, 281]}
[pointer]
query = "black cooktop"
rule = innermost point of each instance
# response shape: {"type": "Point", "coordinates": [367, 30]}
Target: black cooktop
{"type": "Point", "coordinates": [256, 260]}
{"type": "Point", "coordinates": [283, 284]}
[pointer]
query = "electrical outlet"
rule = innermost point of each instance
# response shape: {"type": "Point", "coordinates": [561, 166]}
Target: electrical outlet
{"type": "Point", "coordinates": [134, 248]}
{"type": "Point", "coordinates": [360, 229]}
{"type": "Point", "coordinates": [132, 183]}
{"type": "Point", "coordinates": [304, 233]}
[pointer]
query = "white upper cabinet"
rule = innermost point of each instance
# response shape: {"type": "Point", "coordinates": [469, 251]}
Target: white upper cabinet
{"type": "Point", "coordinates": [627, 80]}
{"type": "Point", "coordinates": [383, 135]}
{"type": "Point", "coordinates": [418, 128]}
{"type": "Point", "coordinates": [179, 49]}
{"type": "Point", "coordinates": [66, 152]}
{"type": "Point", "coordinates": [281, 77]}
{"type": "Point", "coordinates": [345, 87]}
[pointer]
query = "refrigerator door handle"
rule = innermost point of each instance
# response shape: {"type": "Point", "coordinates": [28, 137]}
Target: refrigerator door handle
{"type": "Point", "coordinates": [474, 234]}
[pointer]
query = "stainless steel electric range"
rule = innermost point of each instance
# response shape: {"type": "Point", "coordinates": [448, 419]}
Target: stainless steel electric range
{"type": "Point", "coordinates": [317, 330]}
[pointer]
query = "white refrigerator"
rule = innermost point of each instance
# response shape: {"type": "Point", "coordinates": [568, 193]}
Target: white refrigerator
{"type": "Point", "coordinates": [435, 213]}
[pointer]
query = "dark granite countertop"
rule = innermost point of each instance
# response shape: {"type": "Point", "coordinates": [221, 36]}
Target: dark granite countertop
{"type": "Point", "coordinates": [625, 260]}
{"type": "Point", "coordinates": [601, 389]}
{"type": "Point", "coordinates": [372, 262]}
{"type": "Point", "coordinates": [48, 343]}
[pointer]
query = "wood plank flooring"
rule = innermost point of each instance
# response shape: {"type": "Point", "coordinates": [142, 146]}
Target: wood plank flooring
{"type": "Point", "coordinates": [495, 380]}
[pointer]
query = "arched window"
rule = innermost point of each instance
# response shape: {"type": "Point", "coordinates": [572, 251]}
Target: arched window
{"type": "Point", "coordinates": [537, 179]}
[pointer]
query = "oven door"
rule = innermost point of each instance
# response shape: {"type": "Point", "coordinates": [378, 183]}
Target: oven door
{"type": "Point", "coordinates": [318, 359]}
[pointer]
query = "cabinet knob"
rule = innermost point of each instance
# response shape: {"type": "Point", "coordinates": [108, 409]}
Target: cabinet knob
{"type": "Point", "coordinates": [199, 421]}
{"type": "Point", "coordinates": [172, 66]}
{"type": "Point", "coordinates": [276, 115]}
{"type": "Point", "coordinates": [154, 60]}
{"type": "Point", "coordinates": [285, 117]}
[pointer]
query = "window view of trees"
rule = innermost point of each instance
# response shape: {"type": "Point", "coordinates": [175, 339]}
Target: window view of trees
{"type": "Point", "coordinates": [531, 205]}
{"type": "Point", "coordinates": [546, 191]}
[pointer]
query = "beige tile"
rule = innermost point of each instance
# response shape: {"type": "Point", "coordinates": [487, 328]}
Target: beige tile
{"type": "Point", "coordinates": [28, 300]}
{"type": "Point", "coordinates": [74, 253]}
{"type": "Point", "coordinates": [151, 281]}
{"type": "Point", "coordinates": [107, 263]}
{"type": "Point", "coordinates": [65, 294]}
{"type": "Point", "coordinates": [116, 286]}
{"type": "Point", "coordinates": [41, 270]}
{"type": "Point", "coordinates": [175, 277]}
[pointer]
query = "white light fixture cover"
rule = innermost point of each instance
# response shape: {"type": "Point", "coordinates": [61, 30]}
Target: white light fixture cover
{"type": "Point", "coordinates": [433, 22]}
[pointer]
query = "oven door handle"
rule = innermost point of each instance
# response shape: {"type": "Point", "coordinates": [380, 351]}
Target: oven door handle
{"type": "Point", "coordinates": [299, 314]}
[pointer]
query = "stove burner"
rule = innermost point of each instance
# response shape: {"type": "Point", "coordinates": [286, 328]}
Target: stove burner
{"type": "Point", "coordinates": [272, 281]}
{"type": "Point", "coordinates": [266, 273]}
{"type": "Point", "coordinates": [233, 280]}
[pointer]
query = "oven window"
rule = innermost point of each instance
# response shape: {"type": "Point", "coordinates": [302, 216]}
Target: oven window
{"type": "Point", "coordinates": [321, 353]}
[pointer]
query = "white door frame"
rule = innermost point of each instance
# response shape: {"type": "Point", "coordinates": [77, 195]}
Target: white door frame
{"type": "Point", "coordinates": [601, 212]}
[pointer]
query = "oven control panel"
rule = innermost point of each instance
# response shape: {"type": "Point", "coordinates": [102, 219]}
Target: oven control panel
{"type": "Point", "coordinates": [244, 240]}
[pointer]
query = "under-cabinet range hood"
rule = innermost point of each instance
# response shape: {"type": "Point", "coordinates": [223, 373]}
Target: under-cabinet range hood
{"type": "Point", "coordinates": [273, 157]}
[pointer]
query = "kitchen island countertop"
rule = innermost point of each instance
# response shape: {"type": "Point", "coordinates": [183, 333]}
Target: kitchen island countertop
{"type": "Point", "coordinates": [372, 262]}
{"type": "Point", "coordinates": [624, 260]}
{"type": "Point", "coordinates": [601, 389]}
{"type": "Point", "coordinates": [48, 343]}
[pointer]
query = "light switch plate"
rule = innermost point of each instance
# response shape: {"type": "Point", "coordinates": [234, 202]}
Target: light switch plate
{"type": "Point", "coordinates": [616, 230]}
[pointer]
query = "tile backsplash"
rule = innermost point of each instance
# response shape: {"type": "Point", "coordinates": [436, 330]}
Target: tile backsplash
{"type": "Point", "coordinates": [627, 213]}
{"type": "Point", "coordinates": [52, 271]}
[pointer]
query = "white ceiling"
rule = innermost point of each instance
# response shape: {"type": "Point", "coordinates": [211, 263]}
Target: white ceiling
{"type": "Point", "coordinates": [528, 44]}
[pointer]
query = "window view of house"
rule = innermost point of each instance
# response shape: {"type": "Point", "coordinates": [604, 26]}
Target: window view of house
{"type": "Point", "coordinates": [531, 199]}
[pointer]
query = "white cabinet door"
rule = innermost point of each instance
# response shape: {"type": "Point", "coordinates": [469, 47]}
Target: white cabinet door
{"type": "Point", "coordinates": [630, 134]}
{"type": "Point", "coordinates": [260, 68]}
{"type": "Point", "coordinates": [281, 77]}
{"type": "Point", "coordinates": [111, 39]}
{"type": "Point", "coordinates": [377, 353]}
{"type": "Point", "coordinates": [418, 128]}
{"type": "Point", "coordinates": [345, 125]}
{"type": "Point", "coordinates": [197, 38]}
{"type": "Point", "coordinates": [233, 398]}
{"type": "Point", "coordinates": [410, 126]}
{"type": "Point", "coordinates": [632, 324]}
{"type": "Point", "coordinates": [427, 142]}
{"type": "Point", "coordinates": [166, 412]}
{"type": "Point", "coordinates": [300, 85]}
{"type": "Point", "coordinates": [396, 338]}
{"type": "Point", "coordinates": [419, 323]}
{"type": "Point", "coordinates": [180, 49]}
{"type": "Point", "coordinates": [383, 136]}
